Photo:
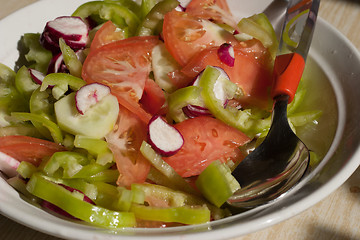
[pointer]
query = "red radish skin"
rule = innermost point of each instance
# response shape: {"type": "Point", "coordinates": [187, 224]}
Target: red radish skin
{"type": "Point", "coordinates": [8, 165]}
{"type": "Point", "coordinates": [36, 76]}
{"type": "Point", "coordinates": [192, 111]}
{"type": "Point", "coordinates": [226, 54]}
{"type": "Point", "coordinates": [57, 65]}
{"type": "Point", "coordinates": [164, 138]}
{"type": "Point", "coordinates": [73, 30]}
{"type": "Point", "coordinates": [89, 95]}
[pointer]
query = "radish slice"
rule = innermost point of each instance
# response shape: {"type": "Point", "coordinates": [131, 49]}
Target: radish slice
{"type": "Point", "coordinates": [36, 76]}
{"type": "Point", "coordinates": [192, 111]}
{"type": "Point", "coordinates": [73, 30]}
{"type": "Point", "coordinates": [68, 28]}
{"type": "Point", "coordinates": [226, 54]}
{"type": "Point", "coordinates": [164, 138]}
{"type": "Point", "coordinates": [57, 65]}
{"type": "Point", "coordinates": [89, 95]}
{"type": "Point", "coordinates": [8, 165]}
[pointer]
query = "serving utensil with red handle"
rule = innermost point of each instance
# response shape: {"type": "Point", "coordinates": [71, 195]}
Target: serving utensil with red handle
{"type": "Point", "coordinates": [281, 160]}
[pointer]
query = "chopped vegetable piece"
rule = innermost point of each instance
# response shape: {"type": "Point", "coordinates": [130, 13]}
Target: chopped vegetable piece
{"type": "Point", "coordinates": [216, 183]}
{"type": "Point", "coordinates": [78, 208]}
{"type": "Point", "coordinates": [184, 214]}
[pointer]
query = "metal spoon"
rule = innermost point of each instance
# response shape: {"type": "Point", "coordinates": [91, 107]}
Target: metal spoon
{"type": "Point", "coordinates": [275, 166]}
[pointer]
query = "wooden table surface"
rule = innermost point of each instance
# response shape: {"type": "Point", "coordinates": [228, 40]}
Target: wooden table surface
{"type": "Point", "coordinates": [337, 217]}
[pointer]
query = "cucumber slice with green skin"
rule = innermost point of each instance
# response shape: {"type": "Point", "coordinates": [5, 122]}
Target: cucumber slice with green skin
{"type": "Point", "coordinates": [96, 122]}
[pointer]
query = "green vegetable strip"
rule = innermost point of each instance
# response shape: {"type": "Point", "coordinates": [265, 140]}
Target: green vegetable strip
{"type": "Point", "coordinates": [216, 183]}
{"type": "Point", "coordinates": [184, 214]}
{"type": "Point", "coordinates": [96, 147]}
{"type": "Point", "coordinates": [109, 11]}
{"type": "Point", "coordinates": [241, 120]}
{"type": "Point", "coordinates": [78, 208]}
{"type": "Point", "coordinates": [129, 4]}
{"type": "Point", "coordinates": [147, 5]}
{"type": "Point", "coordinates": [152, 23]}
{"type": "Point", "coordinates": [50, 125]}
{"type": "Point", "coordinates": [24, 83]}
{"type": "Point", "coordinates": [61, 83]}
{"type": "Point", "coordinates": [259, 27]}
{"type": "Point", "coordinates": [41, 103]}
{"type": "Point", "coordinates": [165, 169]}
{"type": "Point", "coordinates": [70, 59]}
{"type": "Point", "coordinates": [181, 98]}
{"type": "Point", "coordinates": [26, 169]}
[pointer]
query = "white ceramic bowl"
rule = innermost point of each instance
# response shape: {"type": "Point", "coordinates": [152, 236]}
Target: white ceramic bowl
{"type": "Point", "coordinates": [337, 58]}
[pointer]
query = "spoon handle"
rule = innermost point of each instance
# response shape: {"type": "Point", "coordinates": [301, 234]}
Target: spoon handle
{"type": "Point", "coordinates": [288, 69]}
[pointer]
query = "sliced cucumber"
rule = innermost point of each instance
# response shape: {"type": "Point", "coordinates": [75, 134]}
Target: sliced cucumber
{"type": "Point", "coordinates": [162, 64]}
{"type": "Point", "coordinates": [96, 122]}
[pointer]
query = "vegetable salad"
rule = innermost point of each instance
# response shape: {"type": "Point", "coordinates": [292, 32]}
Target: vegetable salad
{"type": "Point", "coordinates": [130, 114]}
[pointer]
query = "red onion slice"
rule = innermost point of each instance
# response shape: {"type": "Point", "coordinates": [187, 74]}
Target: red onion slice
{"type": "Point", "coordinates": [36, 76]}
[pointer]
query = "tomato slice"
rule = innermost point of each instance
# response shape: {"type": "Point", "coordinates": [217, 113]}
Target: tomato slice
{"type": "Point", "coordinates": [185, 35]}
{"type": "Point", "coordinates": [29, 149]}
{"type": "Point", "coordinates": [124, 142]}
{"type": "Point", "coordinates": [215, 10]}
{"type": "Point", "coordinates": [153, 99]}
{"type": "Point", "coordinates": [124, 66]}
{"type": "Point", "coordinates": [106, 34]}
{"type": "Point", "coordinates": [206, 139]}
{"type": "Point", "coordinates": [250, 71]}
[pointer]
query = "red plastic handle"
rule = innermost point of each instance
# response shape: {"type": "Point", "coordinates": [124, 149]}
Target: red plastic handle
{"type": "Point", "coordinates": [288, 69]}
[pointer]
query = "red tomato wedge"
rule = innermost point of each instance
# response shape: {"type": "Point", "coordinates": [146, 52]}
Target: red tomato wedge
{"type": "Point", "coordinates": [215, 10]}
{"type": "Point", "coordinates": [206, 139]}
{"type": "Point", "coordinates": [153, 99]}
{"type": "Point", "coordinates": [185, 35]}
{"type": "Point", "coordinates": [249, 71]}
{"type": "Point", "coordinates": [124, 66]}
{"type": "Point", "coordinates": [29, 149]}
{"type": "Point", "coordinates": [106, 34]}
{"type": "Point", "coordinates": [124, 142]}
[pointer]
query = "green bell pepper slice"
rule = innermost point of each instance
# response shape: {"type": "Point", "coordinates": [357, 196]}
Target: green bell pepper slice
{"type": "Point", "coordinates": [216, 183]}
{"type": "Point", "coordinates": [240, 119]}
{"type": "Point", "coordinates": [117, 198]}
{"type": "Point", "coordinates": [74, 205]}
{"type": "Point", "coordinates": [129, 4]}
{"type": "Point", "coordinates": [53, 128]}
{"type": "Point", "coordinates": [42, 103]}
{"type": "Point", "coordinates": [119, 15]}
{"type": "Point", "coordinates": [259, 27]}
{"type": "Point", "coordinates": [183, 214]}
{"type": "Point", "coordinates": [73, 164]}
{"type": "Point", "coordinates": [153, 21]}
{"type": "Point", "coordinates": [107, 176]}
{"type": "Point", "coordinates": [24, 83]}
{"type": "Point", "coordinates": [97, 147]}
{"type": "Point", "coordinates": [26, 169]}
{"type": "Point", "coordinates": [90, 190]}
{"type": "Point", "coordinates": [70, 59]}
{"type": "Point", "coordinates": [146, 6]}
{"type": "Point", "coordinates": [182, 97]}
{"type": "Point", "coordinates": [61, 83]}
{"type": "Point", "coordinates": [173, 177]}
